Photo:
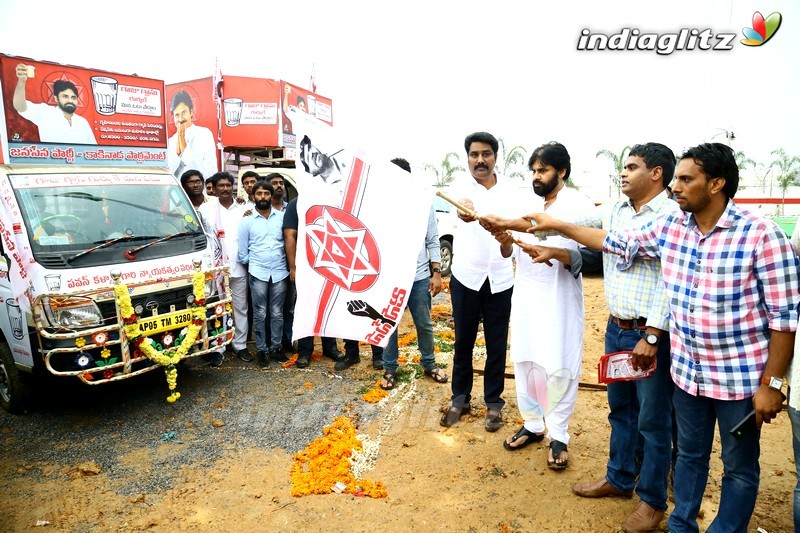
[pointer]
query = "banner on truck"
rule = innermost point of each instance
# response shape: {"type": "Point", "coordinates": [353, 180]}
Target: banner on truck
{"type": "Point", "coordinates": [297, 99]}
{"type": "Point", "coordinates": [193, 128]}
{"type": "Point", "coordinates": [249, 114]}
{"type": "Point", "coordinates": [358, 238]}
{"type": "Point", "coordinates": [59, 114]}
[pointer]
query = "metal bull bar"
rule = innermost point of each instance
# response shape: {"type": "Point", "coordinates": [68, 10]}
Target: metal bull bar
{"type": "Point", "coordinates": [218, 309]}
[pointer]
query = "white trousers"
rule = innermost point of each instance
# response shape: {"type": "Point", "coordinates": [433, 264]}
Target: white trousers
{"type": "Point", "coordinates": [240, 312]}
{"type": "Point", "coordinates": [545, 398]}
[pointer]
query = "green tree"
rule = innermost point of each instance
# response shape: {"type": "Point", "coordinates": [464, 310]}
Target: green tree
{"type": "Point", "coordinates": [619, 163]}
{"type": "Point", "coordinates": [509, 161]}
{"type": "Point", "coordinates": [788, 168]}
{"type": "Point", "coordinates": [445, 171]}
{"type": "Point", "coordinates": [743, 162]}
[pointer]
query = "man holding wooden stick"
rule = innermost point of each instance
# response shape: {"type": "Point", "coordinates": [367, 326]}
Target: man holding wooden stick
{"type": "Point", "coordinates": [480, 285]}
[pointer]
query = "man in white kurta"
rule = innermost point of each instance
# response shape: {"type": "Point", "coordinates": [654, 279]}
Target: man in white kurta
{"type": "Point", "coordinates": [547, 329]}
{"type": "Point", "coordinates": [546, 312]}
{"type": "Point", "coordinates": [221, 217]}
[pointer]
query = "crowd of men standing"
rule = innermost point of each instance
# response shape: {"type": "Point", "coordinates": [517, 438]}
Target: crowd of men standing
{"type": "Point", "coordinates": [703, 294]}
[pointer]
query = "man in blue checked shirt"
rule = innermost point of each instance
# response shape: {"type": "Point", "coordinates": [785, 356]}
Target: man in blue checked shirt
{"type": "Point", "coordinates": [731, 279]}
{"type": "Point", "coordinates": [261, 250]}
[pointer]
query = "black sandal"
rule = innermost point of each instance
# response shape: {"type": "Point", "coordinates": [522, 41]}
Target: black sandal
{"type": "Point", "coordinates": [436, 374]}
{"type": "Point", "coordinates": [390, 378]}
{"type": "Point", "coordinates": [531, 438]}
{"type": "Point", "coordinates": [556, 448]}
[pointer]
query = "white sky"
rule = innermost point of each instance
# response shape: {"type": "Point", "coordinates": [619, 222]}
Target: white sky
{"type": "Point", "coordinates": [413, 78]}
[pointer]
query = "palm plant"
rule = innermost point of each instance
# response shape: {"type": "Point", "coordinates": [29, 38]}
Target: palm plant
{"type": "Point", "coordinates": [619, 163]}
{"type": "Point", "coordinates": [788, 168]}
{"type": "Point", "coordinates": [508, 159]}
{"type": "Point", "coordinates": [446, 171]}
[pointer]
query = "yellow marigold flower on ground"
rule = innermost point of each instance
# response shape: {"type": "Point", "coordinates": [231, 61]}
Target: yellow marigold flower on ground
{"type": "Point", "coordinates": [406, 339]}
{"type": "Point", "coordinates": [324, 462]}
{"type": "Point", "coordinates": [375, 394]}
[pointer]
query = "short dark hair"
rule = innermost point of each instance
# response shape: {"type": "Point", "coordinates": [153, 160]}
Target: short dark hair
{"type": "Point", "coordinates": [481, 137]}
{"type": "Point", "coordinates": [717, 161]}
{"type": "Point", "coordinates": [181, 97]}
{"type": "Point", "coordinates": [263, 184]}
{"type": "Point", "coordinates": [251, 174]}
{"type": "Point", "coordinates": [656, 155]}
{"type": "Point", "coordinates": [402, 163]}
{"type": "Point", "coordinates": [188, 174]}
{"type": "Point", "coordinates": [62, 85]}
{"type": "Point", "coordinates": [554, 154]}
{"type": "Point", "coordinates": [300, 99]}
{"type": "Point", "coordinates": [221, 176]}
{"type": "Point", "coordinates": [271, 175]}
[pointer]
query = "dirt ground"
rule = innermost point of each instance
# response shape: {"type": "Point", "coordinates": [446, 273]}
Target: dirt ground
{"type": "Point", "coordinates": [456, 479]}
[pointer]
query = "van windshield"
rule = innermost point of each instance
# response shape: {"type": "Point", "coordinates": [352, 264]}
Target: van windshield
{"type": "Point", "coordinates": [64, 217]}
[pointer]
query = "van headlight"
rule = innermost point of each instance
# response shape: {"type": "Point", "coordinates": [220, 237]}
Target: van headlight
{"type": "Point", "coordinates": [71, 312]}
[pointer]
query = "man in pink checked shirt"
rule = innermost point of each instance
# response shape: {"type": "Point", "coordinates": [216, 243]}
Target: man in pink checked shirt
{"type": "Point", "coordinates": [732, 283]}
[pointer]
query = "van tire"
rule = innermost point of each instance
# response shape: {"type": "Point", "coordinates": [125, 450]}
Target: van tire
{"type": "Point", "coordinates": [14, 386]}
{"type": "Point", "coordinates": [446, 250]}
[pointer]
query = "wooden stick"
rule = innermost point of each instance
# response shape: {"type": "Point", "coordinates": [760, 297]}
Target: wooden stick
{"type": "Point", "coordinates": [469, 211]}
{"type": "Point", "coordinates": [466, 210]}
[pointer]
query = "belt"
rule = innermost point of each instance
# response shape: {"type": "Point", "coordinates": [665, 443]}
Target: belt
{"type": "Point", "coordinates": [635, 323]}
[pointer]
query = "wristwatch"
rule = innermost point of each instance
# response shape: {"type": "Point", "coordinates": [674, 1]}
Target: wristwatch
{"type": "Point", "coordinates": [651, 339]}
{"type": "Point", "coordinates": [773, 382]}
{"type": "Point", "coordinates": [436, 269]}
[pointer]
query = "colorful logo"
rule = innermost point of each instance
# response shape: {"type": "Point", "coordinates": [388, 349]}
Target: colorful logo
{"type": "Point", "coordinates": [762, 30]}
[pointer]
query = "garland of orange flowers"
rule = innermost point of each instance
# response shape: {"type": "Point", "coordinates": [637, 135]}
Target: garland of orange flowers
{"type": "Point", "coordinates": [167, 358]}
{"type": "Point", "coordinates": [326, 461]}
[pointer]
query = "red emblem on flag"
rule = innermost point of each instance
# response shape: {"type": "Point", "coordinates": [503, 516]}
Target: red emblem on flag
{"type": "Point", "coordinates": [341, 249]}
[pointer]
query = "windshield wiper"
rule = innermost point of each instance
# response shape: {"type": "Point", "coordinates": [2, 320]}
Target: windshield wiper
{"type": "Point", "coordinates": [103, 244]}
{"type": "Point", "coordinates": [130, 255]}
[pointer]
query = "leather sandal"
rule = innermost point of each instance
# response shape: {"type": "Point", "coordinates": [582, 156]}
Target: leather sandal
{"type": "Point", "coordinates": [436, 374]}
{"type": "Point", "coordinates": [390, 378]}
{"type": "Point", "coordinates": [556, 448]}
{"type": "Point", "coordinates": [530, 438]}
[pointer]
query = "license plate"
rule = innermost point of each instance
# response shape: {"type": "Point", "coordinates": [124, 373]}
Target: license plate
{"type": "Point", "coordinates": [159, 323]}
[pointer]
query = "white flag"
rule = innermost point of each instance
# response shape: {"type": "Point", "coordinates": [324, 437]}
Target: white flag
{"type": "Point", "coordinates": [362, 224]}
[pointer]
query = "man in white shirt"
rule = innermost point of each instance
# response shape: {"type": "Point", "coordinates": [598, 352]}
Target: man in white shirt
{"type": "Point", "coordinates": [57, 124]}
{"type": "Point", "coordinates": [221, 219]}
{"type": "Point", "coordinates": [480, 285]}
{"type": "Point", "coordinates": [191, 146]}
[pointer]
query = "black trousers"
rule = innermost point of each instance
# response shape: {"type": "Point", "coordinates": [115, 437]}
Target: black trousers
{"type": "Point", "coordinates": [469, 307]}
{"type": "Point", "coordinates": [305, 346]}
{"type": "Point", "coordinates": [351, 350]}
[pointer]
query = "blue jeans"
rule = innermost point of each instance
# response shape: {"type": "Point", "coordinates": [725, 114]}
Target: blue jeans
{"type": "Point", "coordinates": [419, 304]}
{"type": "Point", "coordinates": [696, 416]}
{"type": "Point", "coordinates": [640, 410]}
{"type": "Point", "coordinates": [794, 416]}
{"type": "Point", "coordinates": [272, 294]}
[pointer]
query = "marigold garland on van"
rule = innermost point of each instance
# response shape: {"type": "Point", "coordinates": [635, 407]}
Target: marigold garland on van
{"type": "Point", "coordinates": [167, 358]}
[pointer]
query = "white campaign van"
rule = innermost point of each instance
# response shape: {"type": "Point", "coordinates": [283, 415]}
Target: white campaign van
{"type": "Point", "coordinates": [105, 270]}
{"type": "Point", "coordinates": [74, 234]}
